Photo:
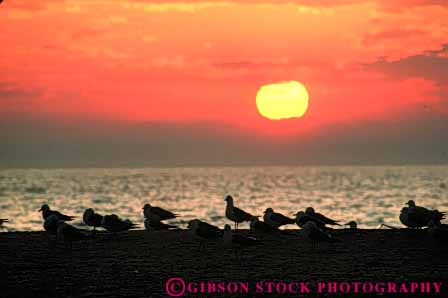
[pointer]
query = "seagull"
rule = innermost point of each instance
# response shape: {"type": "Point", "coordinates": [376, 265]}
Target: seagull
{"type": "Point", "coordinates": [157, 213]}
{"type": "Point", "coordinates": [415, 216]}
{"type": "Point", "coordinates": [323, 218]}
{"type": "Point", "coordinates": [114, 224]}
{"type": "Point", "coordinates": [203, 231]}
{"type": "Point", "coordinates": [276, 220]}
{"type": "Point", "coordinates": [92, 219]}
{"type": "Point", "coordinates": [46, 211]}
{"type": "Point", "coordinates": [235, 214]}
{"type": "Point", "coordinates": [312, 232]}
{"type": "Point", "coordinates": [260, 228]}
{"type": "Point", "coordinates": [352, 225]}
{"type": "Point", "coordinates": [2, 220]}
{"type": "Point", "coordinates": [237, 241]}
{"type": "Point", "coordinates": [157, 225]}
{"type": "Point", "coordinates": [302, 219]}
{"type": "Point", "coordinates": [66, 232]}
{"type": "Point", "coordinates": [51, 224]}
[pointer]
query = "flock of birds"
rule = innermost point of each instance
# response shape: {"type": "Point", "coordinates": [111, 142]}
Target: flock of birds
{"type": "Point", "coordinates": [314, 226]}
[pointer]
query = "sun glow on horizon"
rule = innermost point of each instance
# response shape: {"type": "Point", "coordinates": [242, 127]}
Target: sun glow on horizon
{"type": "Point", "coordinates": [282, 100]}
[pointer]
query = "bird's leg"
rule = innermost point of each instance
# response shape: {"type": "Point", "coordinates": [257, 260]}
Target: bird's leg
{"type": "Point", "coordinates": [235, 225]}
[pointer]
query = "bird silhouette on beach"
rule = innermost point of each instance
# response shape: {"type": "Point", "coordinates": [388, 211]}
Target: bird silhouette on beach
{"type": "Point", "coordinates": [328, 221]}
{"type": "Point", "coordinates": [157, 214]}
{"type": "Point", "coordinates": [152, 225]}
{"type": "Point", "coordinates": [203, 231]}
{"type": "Point", "coordinates": [302, 218]}
{"type": "Point", "coordinates": [417, 217]}
{"type": "Point", "coordinates": [275, 219]}
{"type": "Point", "coordinates": [92, 219]}
{"type": "Point", "coordinates": [313, 233]}
{"type": "Point", "coordinates": [260, 228]}
{"type": "Point", "coordinates": [236, 214]}
{"type": "Point", "coordinates": [46, 212]}
{"type": "Point", "coordinates": [115, 224]}
{"type": "Point", "coordinates": [69, 233]}
{"type": "Point", "coordinates": [237, 241]}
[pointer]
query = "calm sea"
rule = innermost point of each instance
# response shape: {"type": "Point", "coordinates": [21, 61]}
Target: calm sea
{"type": "Point", "coordinates": [369, 195]}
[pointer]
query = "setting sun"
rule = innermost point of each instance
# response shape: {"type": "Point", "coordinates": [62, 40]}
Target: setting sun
{"type": "Point", "coordinates": [282, 100]}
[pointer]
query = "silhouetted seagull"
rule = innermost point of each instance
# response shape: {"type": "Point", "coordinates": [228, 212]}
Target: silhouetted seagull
{"type": "Point", "coordinates": [114, 224]}
{"type": "Point", "coordinates": [46, 211]}
{"type": "Point", "coordinates": [276, 220]}
{"type": "Point", "coordinates": [203, 231]}
{"type": "Point", "coordinates": [417, 217]}
{"type": "Point", "coordinates": [235, 214]}
{"type": "Point", "coordinates": [302, 219]}
{"type": "Point", "coordinates": [69, 233]}
{"type": "Point", "coordinates": [157, 214]}
{"type": "Point", "coordinates": [92, 219]}
{"type": "Point", "coordinates": [260, 228]}
{"type": "Point", "coordinates": [157, 225]}
{"type": "Point", "coordinates": [315, 234]}
{"type": "Point", "coordinates": [2, 220]}
{"type": "Point", "coordinates": [323, 218]}
{"type": "Point", "coordinates": [352, 225]}
{"type": "Point", "coordinates": [237, 241]}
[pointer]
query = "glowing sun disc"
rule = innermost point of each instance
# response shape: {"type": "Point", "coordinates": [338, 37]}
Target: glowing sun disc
{"type": "Point", "coordinates": [282, 100]}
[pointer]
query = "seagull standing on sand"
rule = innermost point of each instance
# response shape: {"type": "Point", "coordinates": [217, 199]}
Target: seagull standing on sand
{"type": "Point", "coordinates": [203, 231]}
{"type": "Point", "coordinates": [235, 214]}
{"type": "Point", "coordinates": [114, 224]}
{"type": "Point", "coordinates": [157, 225]}
{"type": "Point", "coordinates": [237, 241]}
{"type": "Point", "coordinates": [276, 220]}
{"type": "Point", "coordinates": [302, 219]}
{"type": "Point", "coordinates": [415, 216]}
{"type": "Point", "coordinates": [157, 214]}
{"type": "Point", "coordinates": [69, 233]}
{"type": "Point", "coordinates": [313, 233]}
{"type": "Point", "coordinates": [46, 212]}
{"type": "Point", "coordinates": [310, 211]}
{"type": "Point", "coordinates": [260, 228]}
{"type": "Point", "coordinates": [92, 219]}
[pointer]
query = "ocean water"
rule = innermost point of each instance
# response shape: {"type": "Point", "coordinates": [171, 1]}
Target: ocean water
{"type": "Point", "coordinates": [368, 195]}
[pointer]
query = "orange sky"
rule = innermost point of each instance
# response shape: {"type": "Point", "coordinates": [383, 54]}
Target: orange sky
{"type": "Point", "coordinates": [203, 61]}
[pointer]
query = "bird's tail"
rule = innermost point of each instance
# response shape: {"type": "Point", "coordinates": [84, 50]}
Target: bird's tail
{"type": "Point", "coordinates": [439, 215]}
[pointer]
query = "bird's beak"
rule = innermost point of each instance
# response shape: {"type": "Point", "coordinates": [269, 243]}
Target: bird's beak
{"type": "Point", "coordinates": [347, 224]}
{"type": "Point", "coordinates": [40, 209]}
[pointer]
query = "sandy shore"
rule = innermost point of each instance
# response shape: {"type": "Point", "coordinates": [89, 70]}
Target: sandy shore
{"type": "Point", "coordinates": [139, 263]}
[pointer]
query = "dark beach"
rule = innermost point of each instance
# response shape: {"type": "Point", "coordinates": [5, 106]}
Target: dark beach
{"type": "Point", "coordinates": [139, 263]}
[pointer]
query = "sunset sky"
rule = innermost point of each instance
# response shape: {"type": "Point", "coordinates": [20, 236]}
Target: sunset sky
{"type": "Point", "coordinates": [136, 82]}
